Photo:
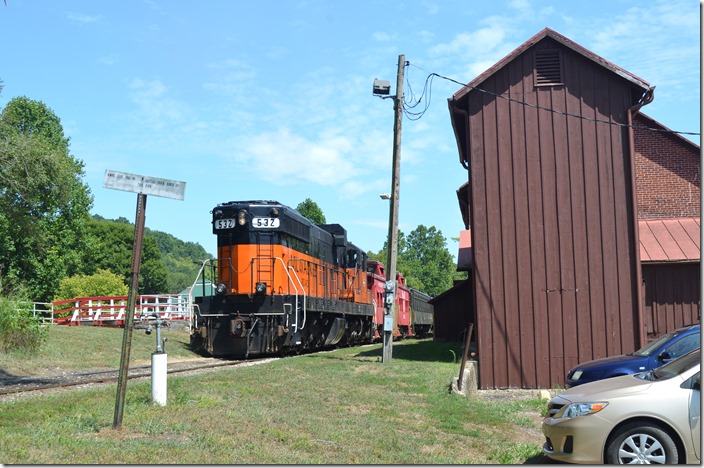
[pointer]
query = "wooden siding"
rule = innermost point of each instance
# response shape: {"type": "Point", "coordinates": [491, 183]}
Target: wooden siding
{"type": "Point", "coordinates": [671, 295]}
{"type": "Point", "coordinates": [452, 316]}
{"type": "Point", "coordinates": [552, 219]}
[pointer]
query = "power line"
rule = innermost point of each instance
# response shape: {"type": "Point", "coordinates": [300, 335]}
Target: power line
{"type": "Point", "coordinates": [428, 89]}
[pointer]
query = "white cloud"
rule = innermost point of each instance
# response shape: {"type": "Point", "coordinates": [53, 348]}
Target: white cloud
{"type": "Point", "coordinates": [431, 8]}
{"type": "Point", "coordinates": [523, 5]}
{"type": "Point", "coordinates": [282, 157]}
{"type": "Point", "coordinates": [82, 18]}
{"type": "Point", "coordinates": [156, 108]}
{"type": "Point", "coordinates": [232, 78]}
{"type": "Point", "coordinates": [633, 40]}
{"type": "Point", "coordinates": [426, 36]}
{"type": "Point", "coordinates": [383, 37]}
{"type": "Point", "coordinates": [472, 52]}
{"type": "Point", "coordinates": [111, 59]}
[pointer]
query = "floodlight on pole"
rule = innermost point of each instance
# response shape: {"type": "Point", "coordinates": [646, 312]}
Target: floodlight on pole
{"type": "Point", "coordinates": [382, 89]}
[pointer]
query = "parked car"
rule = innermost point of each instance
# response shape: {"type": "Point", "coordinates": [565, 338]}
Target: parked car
{"type": "Point", "coordinates": [648, 417]}
{"type": "Point", "coordinates": [667, 347]}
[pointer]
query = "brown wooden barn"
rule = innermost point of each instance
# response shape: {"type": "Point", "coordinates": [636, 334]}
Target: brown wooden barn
{"type": "Point", "coordinates": [547, 138]}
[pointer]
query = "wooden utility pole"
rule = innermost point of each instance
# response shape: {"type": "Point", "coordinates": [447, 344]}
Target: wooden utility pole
{"type": "Point", "coordinates": [392, 248]}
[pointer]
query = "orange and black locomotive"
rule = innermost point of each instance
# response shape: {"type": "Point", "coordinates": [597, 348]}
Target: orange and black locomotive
{"type": "Point", "coordinates": [283, 284]}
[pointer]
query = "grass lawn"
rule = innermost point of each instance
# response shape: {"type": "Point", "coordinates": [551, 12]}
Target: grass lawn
{"type": "Point", "coordinates": [339, 407]}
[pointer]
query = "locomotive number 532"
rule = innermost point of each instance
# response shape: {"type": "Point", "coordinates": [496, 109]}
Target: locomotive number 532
{"type": "Point", "coordinates": [265, 222]}
{"type": "Point", "coordinates": [230, 223]}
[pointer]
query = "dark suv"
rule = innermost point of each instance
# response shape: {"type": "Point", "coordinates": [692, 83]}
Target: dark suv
{"type": "Point", "coordinates": [667, 347]}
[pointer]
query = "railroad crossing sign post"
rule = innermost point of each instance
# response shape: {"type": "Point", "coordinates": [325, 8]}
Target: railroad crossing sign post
{"type": "Point", "coordinates": [143, 186]}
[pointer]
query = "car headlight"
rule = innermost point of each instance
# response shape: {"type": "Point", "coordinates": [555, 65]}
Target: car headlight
{"type": "Point", "coordinates": [581, 409]}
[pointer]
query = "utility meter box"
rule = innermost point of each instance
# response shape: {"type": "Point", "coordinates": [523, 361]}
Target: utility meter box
{"type": "Point", "coordinates": [389, 290]}
{"type": "Point", "coordinates": [388, 323]}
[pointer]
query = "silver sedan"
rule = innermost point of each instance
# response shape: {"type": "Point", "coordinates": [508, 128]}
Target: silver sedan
{"type": "Point", "coordinates": [650, 417]}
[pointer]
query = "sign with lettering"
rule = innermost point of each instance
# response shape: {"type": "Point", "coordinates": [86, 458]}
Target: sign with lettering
{"type": "Point", "coordinates": [143, 184]}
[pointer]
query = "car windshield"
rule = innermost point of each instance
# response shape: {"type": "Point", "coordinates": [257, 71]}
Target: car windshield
{"type": "Point", "coordinates": [677, 366]}
{"type": "Point", "coordinates": [648, 349]}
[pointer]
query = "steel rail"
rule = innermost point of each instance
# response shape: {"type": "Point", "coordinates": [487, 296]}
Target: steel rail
{"type": "Point", "coordinates": [10, 385]}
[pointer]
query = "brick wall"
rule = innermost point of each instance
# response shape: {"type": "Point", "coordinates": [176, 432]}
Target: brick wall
{"type": "Point", "coordinates": [667, 172]}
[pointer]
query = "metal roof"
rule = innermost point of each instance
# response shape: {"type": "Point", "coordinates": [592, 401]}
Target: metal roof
{"type": "Point", "coordinates": [669, 240]}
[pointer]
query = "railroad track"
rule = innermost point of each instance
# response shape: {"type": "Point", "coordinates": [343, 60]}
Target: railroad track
{"type": "Point", "coordinates": [10, 385]}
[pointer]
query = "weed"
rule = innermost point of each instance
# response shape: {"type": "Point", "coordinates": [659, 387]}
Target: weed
{"type": "Point", "coordinates": [19, 329]}
{"type": "Point", "coordinates": [454, 356]}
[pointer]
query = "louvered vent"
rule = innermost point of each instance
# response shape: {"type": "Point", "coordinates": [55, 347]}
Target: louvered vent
{"type": "Point", "coordinates": [548, 68]}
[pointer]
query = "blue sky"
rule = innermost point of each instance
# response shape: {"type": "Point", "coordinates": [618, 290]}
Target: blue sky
{"type": "Point", "coordinates": [248, 100]}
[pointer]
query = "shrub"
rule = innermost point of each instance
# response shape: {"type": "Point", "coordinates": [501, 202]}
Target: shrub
{"type": "Point", "coordinates": [102, 283]}
{"type": "Point", "coordinates": [19, 330]}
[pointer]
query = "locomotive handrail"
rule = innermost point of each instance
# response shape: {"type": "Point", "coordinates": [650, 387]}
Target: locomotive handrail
{"type": "Point", "coordinates": [201, 271]}
{"type": "Point", "coordinates": [304, 298]}
{"type": "Point", "coordinates": [286, 270]}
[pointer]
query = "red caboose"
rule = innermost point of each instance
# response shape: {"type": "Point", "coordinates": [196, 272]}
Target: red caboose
{"type": "Point", "coordinates": [376, 278]}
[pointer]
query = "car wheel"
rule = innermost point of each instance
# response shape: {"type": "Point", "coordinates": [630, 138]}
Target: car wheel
{"type": "Point", "coordinates": [641, 443]}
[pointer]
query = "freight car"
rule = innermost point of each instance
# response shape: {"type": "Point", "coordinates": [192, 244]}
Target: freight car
{"type": "Point", "coordinates": [285, 284]}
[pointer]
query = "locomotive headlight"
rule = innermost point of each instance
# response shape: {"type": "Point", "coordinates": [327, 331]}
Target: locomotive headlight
{"type": "Point", "coordinates": [221, 289]}
{"type": "Point", "coordinates": [274, 212]}
{"type": "Point", "coordinates": [217, 214]}
{"type": "Point", "coordinates": [242, 218]}
{"type": "Point", "coordinates": [260, 288]}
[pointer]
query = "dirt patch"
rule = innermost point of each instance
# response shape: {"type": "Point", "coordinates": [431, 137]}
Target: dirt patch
{"type": "Point", "coordinates": [513, 394]}
{"type": "Point", "coordinates": [126, 434]}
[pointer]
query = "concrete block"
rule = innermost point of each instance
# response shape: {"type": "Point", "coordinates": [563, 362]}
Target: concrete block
{"type": "Point", "coordinates": [469, 380]}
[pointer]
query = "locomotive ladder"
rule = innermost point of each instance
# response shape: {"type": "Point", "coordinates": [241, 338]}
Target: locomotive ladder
{"type": "Point", "coordinates": [265, 255]}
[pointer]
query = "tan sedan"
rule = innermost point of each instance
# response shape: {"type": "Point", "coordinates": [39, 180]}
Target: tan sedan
{"type": "Point", "coordinates": [651, 417]}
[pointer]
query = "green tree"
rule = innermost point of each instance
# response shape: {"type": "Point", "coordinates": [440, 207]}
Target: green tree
{"type": "Point", "coordinates": [182, 259]}
{"type": "Point", "coordinates": [424, 260]}
{"type": "Point", "coordinates": [432, 264]}
{"type": "Point", "coordinates": [311, 210]}
{"type": "Point", "coordinates": [44, 205]}
{"type": "Point", "coordinates": [113, 252]}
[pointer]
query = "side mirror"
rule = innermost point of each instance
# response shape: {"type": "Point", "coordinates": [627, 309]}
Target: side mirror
{"type": "Point", "coordinates": [664, 356]}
